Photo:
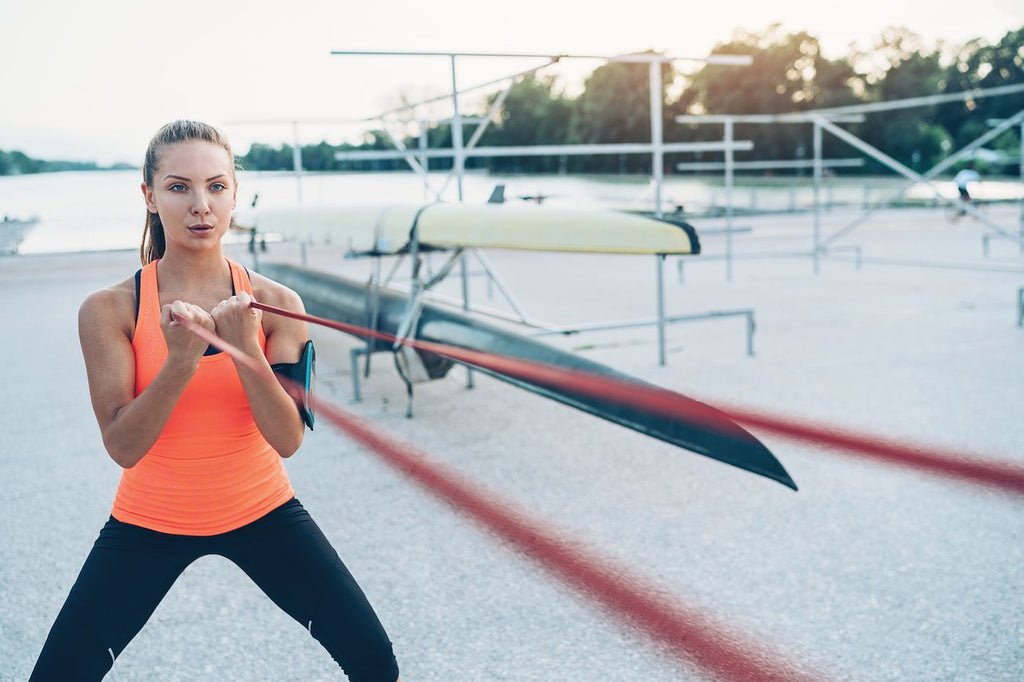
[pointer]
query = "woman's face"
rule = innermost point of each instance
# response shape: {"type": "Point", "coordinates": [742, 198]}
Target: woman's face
{"type": "Point", "coordinates": [194, 191]}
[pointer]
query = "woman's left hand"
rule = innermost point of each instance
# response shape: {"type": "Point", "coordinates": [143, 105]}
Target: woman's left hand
{"type": "Point", "coordinates": [237, 321]}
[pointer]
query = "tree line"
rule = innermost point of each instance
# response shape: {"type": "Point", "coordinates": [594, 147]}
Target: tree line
{"type": "Point", "coordinates": [788, 73]}
{"type": "Point", "coordinates": [18, 163]}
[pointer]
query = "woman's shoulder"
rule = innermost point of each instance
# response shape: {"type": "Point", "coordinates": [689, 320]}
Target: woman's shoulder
{"type": "Point", "coordinates": [113, 303]}
{"type": "Point", "coordinates": [274, 293]}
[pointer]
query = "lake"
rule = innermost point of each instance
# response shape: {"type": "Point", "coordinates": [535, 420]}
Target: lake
{"type": "Point", "coordinates": [101, 210]}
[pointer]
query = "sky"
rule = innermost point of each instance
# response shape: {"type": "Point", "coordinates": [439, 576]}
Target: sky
{"type": "Point", "coordinates": [94, 80]}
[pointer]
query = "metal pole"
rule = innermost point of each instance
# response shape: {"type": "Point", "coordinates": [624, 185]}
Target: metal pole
{"type": "Point", "coordinates": [424, 162]}
{"type": "Point", "coordinates": [423, 142]}
{"type": "Point", "coordinates": [464, 271]}
{"type": "Point", "coordinates": [660, 268]}
{"type": "Point", "coordinates": [657, 135]}
{"type": "Point", "coordinates": [729, 170]}
{"type": "Point", "coordinates": [297, 161]}
{"type": "Point", "coordinates": [457, 131]}
{"type": "Point", "coordinates": [817, 196]}
{"type": "Point", "coordinates": [1020, 307]}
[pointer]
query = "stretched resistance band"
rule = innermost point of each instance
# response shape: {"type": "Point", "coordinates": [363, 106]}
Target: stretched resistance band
{"type": "Point", "coordinates": [1007, 476]}
{"type": "Point", "coordinates": [683, 631]}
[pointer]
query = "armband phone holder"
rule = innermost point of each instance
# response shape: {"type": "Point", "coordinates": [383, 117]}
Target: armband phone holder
{"type": "Point", "coordinates": [301, 374]}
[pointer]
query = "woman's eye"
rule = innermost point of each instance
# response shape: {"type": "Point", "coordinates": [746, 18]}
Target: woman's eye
{"type": "Point", "coordinates": [177, 187]}
{"type": "Point", "coordinates": [218, 187]}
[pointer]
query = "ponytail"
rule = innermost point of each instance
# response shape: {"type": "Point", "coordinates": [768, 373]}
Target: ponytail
{"type": "Point", "coordinates": [153, 243]}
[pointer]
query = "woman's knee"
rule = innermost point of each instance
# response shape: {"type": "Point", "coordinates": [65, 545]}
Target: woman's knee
{"type": "Point", "coordinates": [73, 652]}
{"type": "Point", "coordinates": [364, 653]}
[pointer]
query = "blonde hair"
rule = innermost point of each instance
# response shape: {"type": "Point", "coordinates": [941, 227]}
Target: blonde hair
{"type": "Point", "coordinates": [153, 242]}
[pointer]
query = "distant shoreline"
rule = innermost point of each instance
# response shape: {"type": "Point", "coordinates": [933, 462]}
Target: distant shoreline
{"type": "Point", "coordinates": [72, 169]}
{"type": "Point", "coordinates": [778, 177]}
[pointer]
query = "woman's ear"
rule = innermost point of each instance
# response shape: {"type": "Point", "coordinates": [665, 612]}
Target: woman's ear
{"type": "Point", "coordinates": [147, 194]}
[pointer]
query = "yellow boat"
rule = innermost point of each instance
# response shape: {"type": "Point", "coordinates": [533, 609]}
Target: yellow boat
{"type": "Point", "coordinates": [389, 229]}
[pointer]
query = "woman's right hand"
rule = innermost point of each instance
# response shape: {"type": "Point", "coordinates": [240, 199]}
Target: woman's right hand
{"type": "Point", "coordinates": [182, 344]}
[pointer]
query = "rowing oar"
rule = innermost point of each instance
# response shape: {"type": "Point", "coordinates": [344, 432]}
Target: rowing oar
{"type": "Point", "coordinates": [1007, 476]}
{"type": "Point", "coordinates": [683, 631]}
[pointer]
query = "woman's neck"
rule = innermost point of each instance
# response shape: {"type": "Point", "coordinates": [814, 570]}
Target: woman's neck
{"type": "Point", "coordinates": [193, 272]}
{"type": "Point", "coordinates": [193, 265]}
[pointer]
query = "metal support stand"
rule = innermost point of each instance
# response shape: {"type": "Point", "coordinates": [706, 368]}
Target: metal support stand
{"type": "Point", "coordinates": [818, 172]}
{"type": "Point", "coordinates": [729, 172]}
{"type": "Point", "coordinates": [660, 260]}
{"type": "Point", "coordinates": [1020, 307]}
{"type": "Point", "coordinates": [354, 356]}
{"type": "Point", "coordinates": [463, 271]}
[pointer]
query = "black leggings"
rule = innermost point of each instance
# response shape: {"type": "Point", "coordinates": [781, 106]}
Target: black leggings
{"type": "Point", "coordinates": [130, 569]}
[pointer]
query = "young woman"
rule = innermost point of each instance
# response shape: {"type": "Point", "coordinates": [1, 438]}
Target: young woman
{"type": "Point", "coordinates": [199, 438]}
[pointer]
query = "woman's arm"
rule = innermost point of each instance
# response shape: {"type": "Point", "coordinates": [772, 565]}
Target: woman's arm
{"type": "Point", "coordinates": [275, 412]}
{"type": "Point", "coordinates": [130, 425]}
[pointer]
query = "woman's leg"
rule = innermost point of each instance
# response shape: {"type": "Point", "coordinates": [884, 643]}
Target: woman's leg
{"type": "Point", "coordinates": [127, 573]}
{"type": "Point", "coordinates": [288, 557]}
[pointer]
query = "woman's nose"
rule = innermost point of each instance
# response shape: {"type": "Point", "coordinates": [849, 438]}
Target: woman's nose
{"type": "Point", "coordinates": [200, 203]}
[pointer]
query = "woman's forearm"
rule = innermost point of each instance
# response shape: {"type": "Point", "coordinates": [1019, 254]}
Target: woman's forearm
{"type": "Point", "coordinates": [134, 428]}
{"type": "Point", "coordinates": [274, 411]}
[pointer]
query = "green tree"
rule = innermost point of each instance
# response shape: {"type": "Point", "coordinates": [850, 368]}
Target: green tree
{"type": "Point", "coordinates": [980, 65]}
{"type": "Point", "coordinates": [263, 157]}
{"type": "Point", "coordinates": [788, 73]}
{"type": "Point", "coordinates": [533, 113]}
{"type": "Point", "coordinates": [614, 107]}
{"type": "Point", "coordinates": [912, 136]}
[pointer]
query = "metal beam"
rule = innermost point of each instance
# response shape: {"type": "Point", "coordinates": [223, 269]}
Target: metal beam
{"type": "Point", "coordinates": [548, 150]}
{"type": "Point", "coordinates": [441, 98]}
{"type": "Point", "coordinates": [856, 142]}
{"type": "Point", "coordinates": [803, 117]}
{"type": "Point", "coordinates": [927, 100]}
{"type": "Point", "coordinates": [770, 165]}
{"type": "Point", "coordinates": [833, 113]}
{"type": "Point", "coordinates": [716, 59]}
{"type": "Point", "coordinates": [936, 169]}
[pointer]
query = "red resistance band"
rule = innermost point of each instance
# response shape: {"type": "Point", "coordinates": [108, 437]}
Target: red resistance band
{"type": "Point", "coordinates": [1007, 476]}
{"type": "Point", "coordinates": [683, 632]}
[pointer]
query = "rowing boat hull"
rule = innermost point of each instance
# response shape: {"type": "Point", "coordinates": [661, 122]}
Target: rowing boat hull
{"type": "Point", "coordinates": [388, 229]}
{"type": "Point", "coordinates": [343, 300]}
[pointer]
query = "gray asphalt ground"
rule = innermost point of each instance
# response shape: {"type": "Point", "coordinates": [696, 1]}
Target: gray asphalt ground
{"type": "Point", "coordinates": [869, 572]}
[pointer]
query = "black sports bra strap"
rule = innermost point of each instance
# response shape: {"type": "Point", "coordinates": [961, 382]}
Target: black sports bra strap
{"type": "Point", "coordinates": [138, 285]}
{"type": "Point", "coordinates": [210, 350]}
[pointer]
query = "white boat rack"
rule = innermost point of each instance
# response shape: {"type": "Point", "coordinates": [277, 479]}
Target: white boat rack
{"type": "Point", "coordinates": [828, 120]}
{"type": "Point", "coordinates": [419, 292]}
{"type": "Point", "coordinates": [420, 289]}
{"type": "Point", "coordinates": [823, 120]}
{"type": "Point", "coordinates": [460, 151]}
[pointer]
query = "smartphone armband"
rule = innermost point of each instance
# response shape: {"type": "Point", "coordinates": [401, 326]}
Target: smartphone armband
{"type": "Point", "coordinates": [300, 376]}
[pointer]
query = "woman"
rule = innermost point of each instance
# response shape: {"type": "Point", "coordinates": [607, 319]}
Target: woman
{"type": "Point", "coordinates": [199, 438]}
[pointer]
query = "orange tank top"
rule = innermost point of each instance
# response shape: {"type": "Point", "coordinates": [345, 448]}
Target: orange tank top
{"type": "Point", "coordinates": [211, 470]}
